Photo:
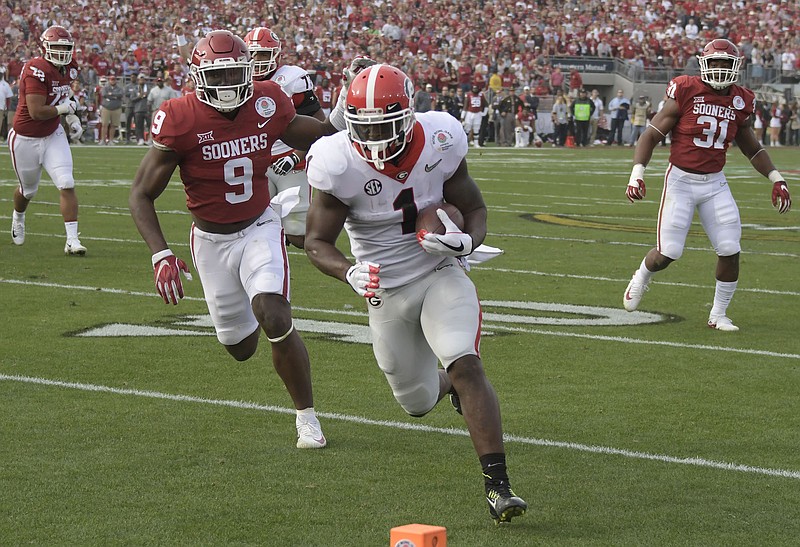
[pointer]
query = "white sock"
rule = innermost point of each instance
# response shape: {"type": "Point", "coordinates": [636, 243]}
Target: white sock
{"type": "Point", "coordinates": [18, 217]}
{"type": "Point", "coordinates": [722, 297]}
{"type": "Point", "coordinates": [72, 229]}
{"type": "Point", "coordinates": [643, 273]}
{"type": "Point", "coordinates": [306, 415]}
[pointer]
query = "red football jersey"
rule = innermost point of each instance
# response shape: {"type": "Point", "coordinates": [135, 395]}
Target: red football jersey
{"type": "Point", "coordinates": [474, 102]}
{"type": "Point", "coordinates": [41, 77]}
{"type": "Point", "coordinates": [223, 163]}
{"type": "Point", "coordinates": [708, 122]}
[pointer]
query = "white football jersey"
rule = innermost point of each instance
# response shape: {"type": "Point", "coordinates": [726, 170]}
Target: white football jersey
{"type": "Point", "coordinates": [293, 80]}
{"type": "Point", "coordinates": [383, 205]}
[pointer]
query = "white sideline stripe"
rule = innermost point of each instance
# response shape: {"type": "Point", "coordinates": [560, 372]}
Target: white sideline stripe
{"type": "Point", "coordinates": [493, 326]}
{"type": "Point", "coordinates": [700, 462]}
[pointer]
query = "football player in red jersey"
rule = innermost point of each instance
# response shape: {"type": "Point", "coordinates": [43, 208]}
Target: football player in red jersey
{"type": "Point", "coordinates": [220, 138]}
{"type": "Point", "coordinates": [38, 141]}
{"type": "Point", "coordinates": [288, 167]}
{"type": "Point", "coordinates": [705, 114]}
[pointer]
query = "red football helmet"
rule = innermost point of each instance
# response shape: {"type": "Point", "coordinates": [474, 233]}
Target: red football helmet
{"type": "Point", "coordinates": [721, 75]}
{"type": "Point", "coordinates": [57, 45]}
{"type": "Point", "coordinates": [380, 113]}
{"type": "Point", "coordinates": [265, 49]}
{"type": "Point", "coordinates": [222, 70]}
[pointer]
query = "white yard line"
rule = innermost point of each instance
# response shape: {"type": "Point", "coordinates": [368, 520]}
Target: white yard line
{"type": "Point", "coordinates": [696, 461]}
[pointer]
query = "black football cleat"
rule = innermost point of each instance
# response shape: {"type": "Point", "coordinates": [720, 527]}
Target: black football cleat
{"type": "Point", "coordinates": [503, 503]}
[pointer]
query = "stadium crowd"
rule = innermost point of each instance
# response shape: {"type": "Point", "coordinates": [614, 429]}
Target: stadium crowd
{"type": "Point", "coordinates": [447, 44]}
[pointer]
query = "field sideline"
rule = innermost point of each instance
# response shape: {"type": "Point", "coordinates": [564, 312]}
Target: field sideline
{"type": "Point", "coordinates": [126, 422]}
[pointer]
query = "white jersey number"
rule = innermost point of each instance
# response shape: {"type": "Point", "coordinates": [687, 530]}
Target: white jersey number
{"type": "Point", "coordinates": [712, 138]}
{"type": "Point", "coordinates": [239, 172]}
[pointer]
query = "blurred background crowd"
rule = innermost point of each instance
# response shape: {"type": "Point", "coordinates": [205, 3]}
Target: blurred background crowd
{"type": "Point", "coordinates": [445, 46]}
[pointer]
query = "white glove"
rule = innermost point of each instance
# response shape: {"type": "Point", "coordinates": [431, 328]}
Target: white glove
{"type": "Point", "coordinates": [636, 189]}
{"type": "Point", "coordinates": [453, 242]}
{"type": "Point", "coordinates": [285, 164]}
{"type": "Point", "coordinates": [363, 277]}
{"type": "Point", "coordinates": [358, 64]}
{"type": "Point", "coordinates": [67, 107]}
{"type": "Point", "coordinates": [75, 127]}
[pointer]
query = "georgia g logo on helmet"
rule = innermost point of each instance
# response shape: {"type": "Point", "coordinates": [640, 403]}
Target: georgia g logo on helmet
{"type": "Point", "coordinates": [720, 62]}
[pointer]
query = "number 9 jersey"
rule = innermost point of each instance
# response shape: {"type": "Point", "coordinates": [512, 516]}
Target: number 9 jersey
{"type": "Point", "coordinates": [707, 124]}
{"type": "Point", "coordinates": [223, 162]}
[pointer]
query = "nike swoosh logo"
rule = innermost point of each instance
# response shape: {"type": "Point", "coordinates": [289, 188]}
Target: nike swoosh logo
{"type": "Point", "coordinates": [263, 222]}
{"type": "Point", "coordinates": [628, 295]}
{"type": "Point", "coordinates": [262, 124]}
{"type": "Point", "coordinates": [456, 249]}
{"type": "Point", "coordinates": [429, 168]}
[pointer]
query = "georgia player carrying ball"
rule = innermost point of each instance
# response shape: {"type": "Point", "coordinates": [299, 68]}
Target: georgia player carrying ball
{"type": "Point", "coordinates": [705, 114]}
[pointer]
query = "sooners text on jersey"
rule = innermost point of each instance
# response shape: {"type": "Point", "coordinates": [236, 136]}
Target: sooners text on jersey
{"type": "Point", "coordinates": [223, 163]}
{"type": "Point", "coordinates": [41, 77]}
{"type": "Point", "coordinates": [708, 123]}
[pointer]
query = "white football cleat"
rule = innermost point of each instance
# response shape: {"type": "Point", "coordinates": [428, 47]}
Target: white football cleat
{"type": "Point", "coordinates": [633, 294]}
{"type": "Point", "coordinates": [309, 433]}
{"type": "Point", "coordinates": [74, 247]}
{"type": "Point", "coordinates": [18, 232]}
{"type": "Point", "coordinates": [721, 322]}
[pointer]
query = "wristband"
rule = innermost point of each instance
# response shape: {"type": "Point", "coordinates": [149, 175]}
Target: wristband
{"type": "Point", "coordinates": [637, 172]}
{"type": "Point", "coordinates": [161, 255]}
{"type": "Point", "coordinates": [774, 176]}
{"type": "Point", "coordinates": [181, 40]}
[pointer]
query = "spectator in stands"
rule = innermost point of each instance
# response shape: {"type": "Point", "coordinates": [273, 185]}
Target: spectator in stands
{"type": "Point", "coordinates": [112, 110]}
{"type": "Point", "coordinates": [575, 82]}
{"type": "Point", "coordinates": [556, 79]}
{"type": "Point", "coordinates": [141, 112]}
{"type": "Point", "coordinates": [641, 112]}
{"type": "Point", "coordinates": [560, 117]}
{"type": "Point", "coordinates": [775, 124]}
{"type": "Point", "coordinates": [758, 123]}
{"type": "Point", "coordinates": [618, 109]}
{"type": "Point", "coordinates": [6, 93]}
{"type": "Point", "coordinates": [597, 113]}
{"type": "Point", "coordinates": [423, 99]}
{"type": "Point", "coordinates": [582, 109]}
{"type": "Point", "coordinates": [793, 127]}
{"type": "Point", "coordinates": [158, 94]}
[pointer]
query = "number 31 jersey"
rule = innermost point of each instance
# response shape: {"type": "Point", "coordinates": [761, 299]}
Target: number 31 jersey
{"type": "Point", "coordinates": [708, 122]}
{"type": "Point", "coordinates": [381, 222]}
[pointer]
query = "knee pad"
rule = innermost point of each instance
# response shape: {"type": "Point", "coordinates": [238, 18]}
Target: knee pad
{"type": "Point", "coordinates": [418, 401]}
{"type": "Point", "coordinates": [62, 178]}
{"type": "Point", "coordinates": [728, 247]}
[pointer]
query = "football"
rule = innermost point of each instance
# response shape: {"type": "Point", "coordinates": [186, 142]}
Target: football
{"type": "Point", "coordinates": [427, 219]}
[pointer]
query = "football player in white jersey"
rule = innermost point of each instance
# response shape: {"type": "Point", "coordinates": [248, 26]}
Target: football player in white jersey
{"type": "Point", "coordinates": [288, 167]}
{"type": "Point", "coordinates": [371, 180]}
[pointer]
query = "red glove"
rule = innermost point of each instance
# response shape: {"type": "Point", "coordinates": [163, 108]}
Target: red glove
{"type": "Point", "coordinates": [167, 270]}
{"type": "Point", "coordinates": [636, 189]}
{"type": "Point", "coordinates": [781, 199]}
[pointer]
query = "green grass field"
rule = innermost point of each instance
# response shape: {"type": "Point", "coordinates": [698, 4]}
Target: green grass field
{"type": "Point", "coordinates": [125, 422]}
